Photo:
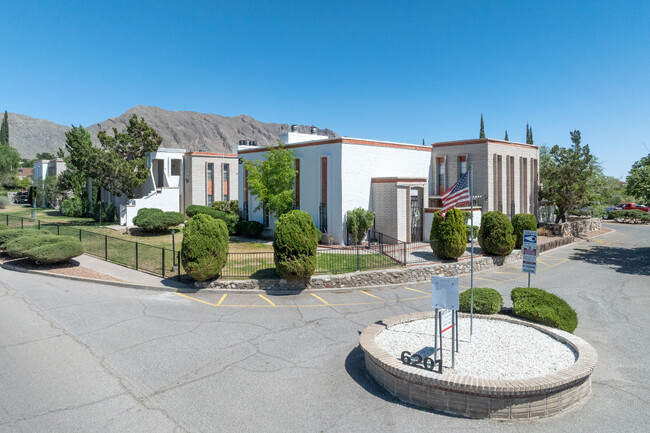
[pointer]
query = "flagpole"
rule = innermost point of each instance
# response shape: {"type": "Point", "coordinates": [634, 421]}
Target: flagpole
{"type": "Point", "coordinates": [471, 279]}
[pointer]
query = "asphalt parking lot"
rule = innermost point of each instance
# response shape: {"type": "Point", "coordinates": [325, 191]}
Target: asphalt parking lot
{"type": "Point", "coordinates": [93, 357]}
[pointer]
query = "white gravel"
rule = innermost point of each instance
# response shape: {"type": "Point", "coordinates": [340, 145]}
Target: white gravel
{"type": "Point", "coordinates": [499, 350]}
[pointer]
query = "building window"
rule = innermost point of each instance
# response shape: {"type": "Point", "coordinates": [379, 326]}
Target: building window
{"type": "Point", "coordinates": [210, 184]}
{"type": "Point", "coordinates": [462, 165]}
{"type": "Point", "coordinates": [226, 182]}
{"type": "Point", "coordinates": [176, 167]}
{"type": "Point", "coordinates": [440, 168]}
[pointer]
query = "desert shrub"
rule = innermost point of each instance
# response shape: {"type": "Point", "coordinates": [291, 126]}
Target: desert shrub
{"type": "Point", "coordinates": [633, 216]}
{"type": "Point", "coordinates": [448, 237]}
{"type": "Point", "coordinates": [496, 234]}
{"type": "Point", "coordinates": [358, 221]}
{"type": "Point", "coordinates": [157, 221]}
{"type": "Point", "coordinates": [204, 250]}
{"type": "Point", "coordinates": [486, 301]}
{"type": "Point", "coordinates": [543, 231]}
{"type": "Point", "coordinates": [231, 206]}
{"type": "Point", "coordinates": [521, 222]}
{"type": "Point", "coordinates": [56, 252]}
{"type": "Point", "coordinates": [468, 231]}
{"type": "Point", "coordinates": [230, 219]}
{"type": "Point", "coordinates": [107, 210]}
{"type": "Point", "coordinates": [11, 234]}
{"type": "Point", "coordinates": [254, 229]}
{"type": "Point", "coordinates": [74, 206]}
{"type": "Point", "coordinates": [544, 308]}
{"type": "Point", "coordinates": [295, 240]}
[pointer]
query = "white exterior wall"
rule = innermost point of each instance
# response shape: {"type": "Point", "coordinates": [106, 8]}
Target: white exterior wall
{"type": "Point", "coordinates": [297, 137]}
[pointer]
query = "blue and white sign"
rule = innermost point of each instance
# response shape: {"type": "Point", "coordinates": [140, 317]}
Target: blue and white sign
{"type": "Point", "coordinates": [529, 252]}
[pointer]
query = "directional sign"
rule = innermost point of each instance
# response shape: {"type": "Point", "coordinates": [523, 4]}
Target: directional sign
{"type": "Point", "coordinates": [529, 251]}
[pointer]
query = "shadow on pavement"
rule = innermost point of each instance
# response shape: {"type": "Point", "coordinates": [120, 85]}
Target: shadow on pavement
{"type": "Point", "coordinates": [634, 261]}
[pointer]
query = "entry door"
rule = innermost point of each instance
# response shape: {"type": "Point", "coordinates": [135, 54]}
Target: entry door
{"type": "Point", "coordinates": [416, 219]}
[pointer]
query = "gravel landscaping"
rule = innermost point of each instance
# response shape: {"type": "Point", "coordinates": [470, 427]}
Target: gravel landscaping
{"type": "Point", "coordinates": [499, 350]}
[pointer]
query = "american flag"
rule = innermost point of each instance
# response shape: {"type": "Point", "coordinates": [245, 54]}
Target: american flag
{"type": "Point", "coordinates": [457, 195]}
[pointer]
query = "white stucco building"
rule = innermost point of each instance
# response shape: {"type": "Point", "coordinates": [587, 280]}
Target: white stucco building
{"type": "Point", "coordinates": [44, 168]}
{"type": "Point", "coordinates": [177, 179]}
{"type": "Point", "coordinates": [336, 175]}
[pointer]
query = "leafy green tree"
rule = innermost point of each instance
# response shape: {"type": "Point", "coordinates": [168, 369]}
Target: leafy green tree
{"type": "Point", "coordinates": [482, 132]}
{"type": "Point", "coordinates": [79, 161]}
{"type": "Point", "coordinates": [567, 176]}
{"type": "Point", "coordinates": [271, 179]}
{"type": "Point", "coordinates": [506, 137]}
{"type": "Point", "coordinates": [358, 221]}
{"type": "Point", "coordinates": [4, 131]}
{"type": "Point", "coordinates": [9, 163]}
{"type": "Point", "coordinates": [45, 155]}
{"type": "Point", "coordinates": [120, 166]}
{"type": "Point", "coordinates": [638, 180]}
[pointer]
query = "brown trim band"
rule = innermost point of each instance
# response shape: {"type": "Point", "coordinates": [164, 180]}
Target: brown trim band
{"type": "Point", "coordinates": [347, 141]}
{"type": "Point", "coordinates": [224, 155]}
{"type": "Point", "coordinates": [483, 141]}
{"type": "Point", "coordinates": [399, 179]}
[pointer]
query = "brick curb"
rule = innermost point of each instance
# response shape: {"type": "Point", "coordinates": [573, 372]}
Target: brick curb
{"type": "Point", "coordinates": [482, 398]}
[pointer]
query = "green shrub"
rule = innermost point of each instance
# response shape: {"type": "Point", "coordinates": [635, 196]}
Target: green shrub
{"type": "Point", "coordinates": [254, 229]}
{"type": "Point", "coordinates": [241, 227]}
{"type": "Point", "coordinates": [629, 216]}
{"type": "Point", "coordinates": [521, 222]}
{"type": "Point", "coordinates": [295, 241]}
{"type": "Point", "coordinates": [496, 234]}
{"type": "Point", "coordinates": [3, 227]}
{"type": "Point", "coordinates": [448, 237]}
{"type": "Point", "coordinates": [56, 252]}
{"type": "Point", "coordinates": [107, 210]}
{"type": "Point", "coordinates": [205, 247]}
{"type": "Point", "coordinates": [231, 206]}
{"type": "Point", "coordinates": [10, 234]}
{"type": "Point", "coordinates": [157, 221]}
{"type": "Point", "coordinates": [358, 221]}
{"type": "Point", "coordinates": [26, 241]}
{"type": "Point", "coordinates": [230, 219]}
{"type": "Point", "coordinates": [486, 301]}
{"type": "Point", "coordinates": [544, 308]}
{"type": "Point", "coordinates": [468, 231]}
{"type": "Point", "coordinates": [75, 207]}
{"type": "Point", "coordinates": [4, 201]}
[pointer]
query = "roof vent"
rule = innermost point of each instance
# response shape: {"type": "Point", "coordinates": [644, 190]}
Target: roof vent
{"type": "Point", "coordinates": [294, 128]}
{"type": "Point", "coordinates": [252, 143]}
{"type": "Point", "coordinates": [313, 130]}
{"type": "Point", "coordinates": [243, 142]}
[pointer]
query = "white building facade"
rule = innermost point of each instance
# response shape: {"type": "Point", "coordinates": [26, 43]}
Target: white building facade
{"type": "Point", "coordinates": [335, 175]}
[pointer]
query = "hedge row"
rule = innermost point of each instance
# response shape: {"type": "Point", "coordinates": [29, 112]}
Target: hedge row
{"type": "Point", "coordinates": [157, 221]}
{"type": "Point", "coordinates": [252, 229]}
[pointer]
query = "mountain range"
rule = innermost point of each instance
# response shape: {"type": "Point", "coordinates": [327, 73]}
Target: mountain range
{"type": "Point", "coordinates": [180, 129]}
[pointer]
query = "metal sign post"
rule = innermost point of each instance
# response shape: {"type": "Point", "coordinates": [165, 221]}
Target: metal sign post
{"type": "Point", "coordinates": [529, 253]}
{"type": "Point", "coordinates": [445, 300]}
{"type": "Point", "coordinates": [471, 260]}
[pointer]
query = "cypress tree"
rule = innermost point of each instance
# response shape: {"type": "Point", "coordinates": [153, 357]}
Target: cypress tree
{"type": "Point", "coordinates": [506, 138]}
{"type": "Point", "coordinates": [482, 133]}
{"type": "Point", "coordinates": [531, 135]}
{"type": "Point", "coordinates": [4, 131]}
{"type": "Point", "coordinates": [527, 134]}
{"type": "Point", "coordinates": [423, 142]}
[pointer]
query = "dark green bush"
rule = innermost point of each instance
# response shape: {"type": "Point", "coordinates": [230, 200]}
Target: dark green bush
{"type": "Point", "coordinates": [544, 308]}
{"type": "Point", "coordinates": [358, 221]}
{"type": "Point", "coordinates": [56, 252]}
{"type": "Point", "coordinates": [230, 219]}
{"type": "Point", "coordinates": [231, 206]}
{"type": "Point", "coordinates": [633, 216]}
{"type": "Point", "coordinates": [468, 231]}
{"type": "Point", "coordinates": [3, 227]}
{"type": "Point", "coordinates": [496, 234]}
{"type": "Point", "coordinates": [17, 246]}
{"type": "Point", "coordinates": [157, 221]}
{"type": "Point", "coordinates": [254, 229]}
{"type": "Point", "coordinates": [448, 236]}
{"type": "Point", "coordinates": [521, 222]}
{"type": "Point", "coordinates": [241, 227]}
{"type": "Point", "coordinates": [205, 247]}
{"type": "Point", "coordinates": [107, 210]}
{"type": "Point", "coordinates": [295, 241]}
{"type": "Point", "coordinates": [10, 234]}
{"type": "Point", "coordinates": [74, 207]}
{"type": "Point", "coordinates": [486, 301]}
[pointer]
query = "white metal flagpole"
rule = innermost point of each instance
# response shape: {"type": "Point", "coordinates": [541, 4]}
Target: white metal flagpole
{"type": "Point", "coordinates": [471, 279]}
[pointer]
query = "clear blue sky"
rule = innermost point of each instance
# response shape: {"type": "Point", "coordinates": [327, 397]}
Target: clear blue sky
{"type": "Point", "coordinates": [398, 71]}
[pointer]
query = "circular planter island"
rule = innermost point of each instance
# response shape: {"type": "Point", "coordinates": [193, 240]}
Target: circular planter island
{"type": "Point", "coordinates": [512, 369]}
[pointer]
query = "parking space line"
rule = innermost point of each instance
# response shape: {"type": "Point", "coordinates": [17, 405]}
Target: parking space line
{"type": "Point", "coordinates": [222, 298]}
{"type": "Point", "coordinates": [414, 290]}
{"type": "Point", "coordinates": [370, 294]}
{"type": "Point", "coordinates": [194, 299]}
{"type": "Point", "coordinates": [320, 299]}
{"type": "Point", "coordinates": [267, 300]}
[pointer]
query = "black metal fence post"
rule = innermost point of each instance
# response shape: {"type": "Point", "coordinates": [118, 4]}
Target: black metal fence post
{"type": "Point", "coordinates": [136, 256]}
{"type": "Point", "coordinates": [58, 229]}
{"type": "Point", "coordinates": [39, 224]}
{"type": "Point", "coordinates": [79, 235]}
{"type": "Point", "coordinates": [163, 263]}
{"type": "Point", "coordinates": [179, 265]}
{"type": "Point", "coordinates": [106, 247]}
{"type": "Point", "coordinates": [21, 223]}
{"type": "Point", "coordinates": [357, 257]}
{"type": "Point", "coordinates": [404, 253]}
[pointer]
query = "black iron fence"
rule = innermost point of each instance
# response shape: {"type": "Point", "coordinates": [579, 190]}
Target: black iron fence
{"type": "Point", "coordinates": [377, 251]}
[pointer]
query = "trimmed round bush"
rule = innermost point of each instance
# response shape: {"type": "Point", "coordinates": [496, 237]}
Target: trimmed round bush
{"type": "Point", "coordinates": [448, 237]}
{"type": "Point", "coordinates": [241, 227]}
{"type": "Point", "coordinates": [254, 229]}
{"type": "Point", "coordinates": [17, 246]}
{"type": "Point", "coordinates": [544, 308]}
{"type": "Point", "coordinates": [521, 222]}
{"type": "Point", "coordinates": [56, 252]}
{"type": "Point", "coordinates": [10, 234]}
{"type": "Point", "coordinates": [496, 234]}
{"type": "Point", "coordinates": [204, 250]}
{"type": "Point", "coordinates": [486, 301]}
{"type": "Point", "coordinates": [295, 241]}
{"type": "Point", "coordinates": [157, 221]}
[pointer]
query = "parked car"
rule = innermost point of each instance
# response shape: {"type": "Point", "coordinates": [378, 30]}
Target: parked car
{"type": "Point", "coordinates": [21, 197]}
{"type": "Point", "coordinates": [632, 206]}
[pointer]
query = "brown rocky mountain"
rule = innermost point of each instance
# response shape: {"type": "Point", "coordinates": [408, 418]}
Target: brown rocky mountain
{"type": "Point", "coordinates": [179, 129]}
